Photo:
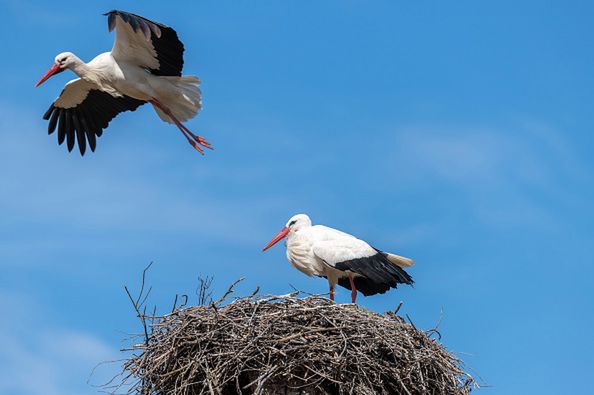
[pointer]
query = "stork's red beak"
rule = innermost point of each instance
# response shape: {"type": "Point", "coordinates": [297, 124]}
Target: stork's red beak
{"type": "Point", "coordinates": [55, 69]}
{"type": "Point", "coordinates": [281, 235]}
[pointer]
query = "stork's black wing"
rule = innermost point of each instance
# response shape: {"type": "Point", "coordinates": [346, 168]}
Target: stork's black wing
{"type": "Point", "coordinates": [82, 112]}
{"type": "Point", "coordinates": [149, 44]}
{"type": "Point", "coordinates": [345, 253]}
{"type": "Point", "coordinates": [376, 274]}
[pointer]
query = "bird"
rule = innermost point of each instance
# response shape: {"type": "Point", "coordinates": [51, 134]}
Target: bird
{"type": "Point", "coordinates": [342, 259]}
{"type": "Point", "coordinates": [144, 66]}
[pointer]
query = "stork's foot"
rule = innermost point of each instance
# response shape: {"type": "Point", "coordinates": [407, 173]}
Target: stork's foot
{"type": "Point", "coordinates": [198, 139]}
{"type": "Point", "coordinates": [196, 146]}
{"type": "Point", "coordinates": [204, 143]}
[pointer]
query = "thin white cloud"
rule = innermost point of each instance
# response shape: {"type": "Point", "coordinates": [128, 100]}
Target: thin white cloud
{"type": "Point", "coordinates": [473, 156]}
{"type": "Point", "coordinates": [504, 174]}
{"type": "Point", "coordinates": [530, 153]}
{"type": "Point", "coordinates": [38, 358]}
{"type": "Point", "coordinates": [46, 186]}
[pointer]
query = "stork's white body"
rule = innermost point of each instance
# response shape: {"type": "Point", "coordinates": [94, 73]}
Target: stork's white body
{"type": "Point", "coordinates": [123, 78]}
{"type": "Point", "coordinates": [318, 250]}
{"type": "Point", "coordinates": [119, 77]}
{"type": "Point", "coordinates": [309, 247]}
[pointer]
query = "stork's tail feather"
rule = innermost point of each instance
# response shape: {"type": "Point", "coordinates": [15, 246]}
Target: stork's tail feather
{"type": "Point", "coordinates": [182, 96]}
{"type": "Point", "coordinates": [400, 260]}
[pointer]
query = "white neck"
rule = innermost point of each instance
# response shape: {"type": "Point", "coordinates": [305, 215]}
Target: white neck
{"type": "Point", "coordinates": [79, 67]}
{"type": "Point", "coordinates": [83, 70]}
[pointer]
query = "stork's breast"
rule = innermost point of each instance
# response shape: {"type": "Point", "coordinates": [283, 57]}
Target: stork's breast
{"type": "Point", "coordinates": [303, 260]}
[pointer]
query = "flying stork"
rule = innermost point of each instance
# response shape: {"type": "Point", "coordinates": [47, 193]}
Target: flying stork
{"type": "Point", "coordinates": [341, 258]}
{"type": "Point", "coordinates": [144, 66]}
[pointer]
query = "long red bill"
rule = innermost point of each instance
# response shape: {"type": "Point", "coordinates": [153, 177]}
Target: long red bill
{"type": "Point", "coordinates": [281, 235]}
{"type": "Point", "coordinates": [55, 69]}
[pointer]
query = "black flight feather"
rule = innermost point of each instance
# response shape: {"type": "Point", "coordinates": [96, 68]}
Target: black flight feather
{"type": "Point", "coordinates": [85, 122]}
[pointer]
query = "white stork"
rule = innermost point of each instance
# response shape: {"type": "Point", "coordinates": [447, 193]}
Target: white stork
{"type": "Point", "coordinates": [341, 258]}
{"type": "Point", "coordinates": [144, 65]}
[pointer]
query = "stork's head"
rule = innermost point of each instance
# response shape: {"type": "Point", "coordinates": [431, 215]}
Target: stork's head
{"type": "Point", "coordinates": [294, 224]}
{"type": "Point", "coordinates": [297, 222]}
{"type": "Point", "coordinates": [62, 62]}
{"type": "Point", "coordinates": [65, 60]}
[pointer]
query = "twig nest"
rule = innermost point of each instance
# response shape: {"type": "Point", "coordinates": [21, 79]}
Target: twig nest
{"type": "Point", "coordinates": [265, 344]}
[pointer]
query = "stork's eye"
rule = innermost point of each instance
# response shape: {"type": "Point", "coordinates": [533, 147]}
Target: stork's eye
{"type": "Point", "coordinates": [292, 223]}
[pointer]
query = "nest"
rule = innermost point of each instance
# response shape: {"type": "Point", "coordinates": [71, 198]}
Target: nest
{"type": "Point", "coordinates": [263, 344]}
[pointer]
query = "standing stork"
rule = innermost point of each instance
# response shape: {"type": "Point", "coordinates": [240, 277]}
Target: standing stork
{"type": "Point", "coordinates": [144, 65]}
{"type": "Point", "coordinates": [341, 258]}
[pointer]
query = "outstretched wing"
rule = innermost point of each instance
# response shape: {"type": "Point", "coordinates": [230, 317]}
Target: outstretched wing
{"type": "Point", "coordinates": [148, 44]}
{"type": "Point", "coordinates": [82, 111]}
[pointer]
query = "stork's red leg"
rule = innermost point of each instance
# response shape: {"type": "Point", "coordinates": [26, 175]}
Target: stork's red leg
{"type": "Point", "coordinates": [332, 292]}
{"type": "Point", "coordinates": [353, 289]}
{"type": "Point", "coordinates": [194, 140]}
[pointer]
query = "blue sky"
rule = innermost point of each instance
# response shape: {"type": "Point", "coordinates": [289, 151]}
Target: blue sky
{"type": "Point", "coordinates": [458, 134]}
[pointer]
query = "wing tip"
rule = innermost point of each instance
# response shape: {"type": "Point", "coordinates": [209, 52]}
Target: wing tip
{"type": "Point", "coordinates": [49, 112]}
{"type": "Point", "coordinates": [111, 15]}
{"type": "Point", "coordinates": [137, 22]}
